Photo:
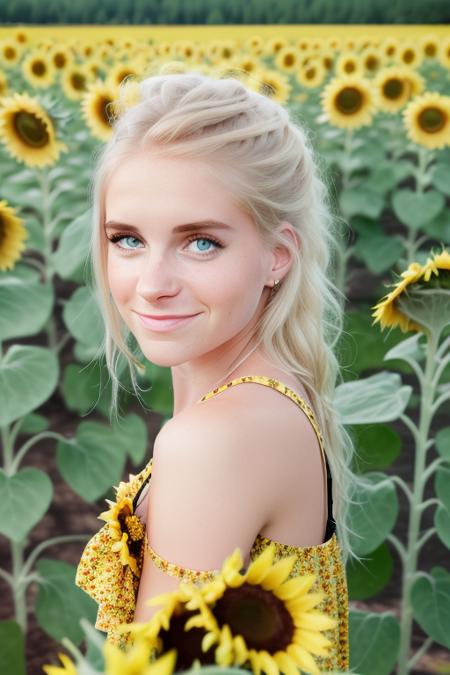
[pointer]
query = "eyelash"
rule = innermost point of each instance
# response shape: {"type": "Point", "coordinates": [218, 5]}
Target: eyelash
{"type": "Point", "coordinates": [115, 238]}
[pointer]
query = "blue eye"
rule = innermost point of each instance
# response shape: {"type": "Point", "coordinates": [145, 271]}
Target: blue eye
{"type": "Point", "coordinates": [117, 238]}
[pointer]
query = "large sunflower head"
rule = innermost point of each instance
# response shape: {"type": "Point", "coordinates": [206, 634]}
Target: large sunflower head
{"type": "Point", "coordinates": [38, 69]}
{"type": "Point", "coordinates": [61, 57]}
{"type": "Point", "coordinates": [28, 131]}
{"type": "Point", "coordinates": [410, 54]}
{"type": "Point", "coordinates": [430, 45]}
{"type": "Point", "coordinates": [287, 59]}
{"type": "Point", "coordinates": [420, 301]}
{"type": "Point", "coordinates": [121, 71]}
{"type": "Point", "coordinates": [349, 102]}
{"type": "Point", "coordinates": [273, 84]}
{"type": "Point", "coordinates": [427, 120]}
{"type": "Point", "coordinates": [98, 109]}
{"type": "Point", "coordinates": [256, 619]}
{"type": "Point", "coordinates": [12, 237]}
{"type": "Point", "coordinates": [372, 60]}
{"type": "Point", "coordinates": [394, 88]}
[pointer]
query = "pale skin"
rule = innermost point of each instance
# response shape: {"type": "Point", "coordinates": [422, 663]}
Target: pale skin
{"type": "Point", "coordinates": [246, 461]}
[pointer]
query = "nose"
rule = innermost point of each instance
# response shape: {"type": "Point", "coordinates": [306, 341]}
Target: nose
{"type": "Point", "coordinates": [157, 277]}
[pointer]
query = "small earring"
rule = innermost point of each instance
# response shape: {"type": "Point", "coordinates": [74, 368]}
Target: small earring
{"type": "Point", "coordinates": [275, 286]}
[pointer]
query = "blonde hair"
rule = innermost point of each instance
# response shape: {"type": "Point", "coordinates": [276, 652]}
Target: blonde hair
{"type": "Point", "coordinates": [275, 178]}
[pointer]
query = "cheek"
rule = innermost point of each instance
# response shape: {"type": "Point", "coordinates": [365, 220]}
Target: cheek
{"type": "Point", "coordinates": [120, 280]}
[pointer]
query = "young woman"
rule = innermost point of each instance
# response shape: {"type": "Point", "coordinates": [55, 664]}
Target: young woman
{"type": "Point", "coordinates": [211, 248]}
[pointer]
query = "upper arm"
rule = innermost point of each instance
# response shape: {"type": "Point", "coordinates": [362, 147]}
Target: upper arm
{"type": "Point", "coordinates": [208, 495]}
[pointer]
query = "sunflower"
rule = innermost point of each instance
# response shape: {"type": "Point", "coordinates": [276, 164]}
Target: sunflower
{"type": "Point", "coordinates": [427, 120]}
{"type": "Point", "coordinates": [271, 83]}
{"type": "Point", "coordinates": [10, 52]}
{"type": "Point", "coordinates": [61, 57]}
{"type": "Point", "coordinates": [409, 54]}
{"type": "Point", "coordinates": [274, 45]}
{"type": "Point", "coordinates": [255, 44]}
{"type": "Point", "coordinates": [390, 311]}
{"type": "Point", "coordinates": [444, 52]}
{"type": "Point", "coordinates": [119, 72]}
{"type": "Point", "coordinates": [248, 63]}
{"type": "Point", "coordinates": [371, 59]}
{"type": "Point", "coordinates": [135, 661]}
{"type": "Point", "coordinates": [259, 618]}
{"type": "Point", "coordinates": [390, 47]}
{"type": "Point", "coordinates": [12, 237]}
{"type": "Point", "coordinates": [287, 59]}
{"type": "Point", "coordinates": [21, 36]}
{"type": "Point", "coordinates": [38, 69]}
{"type": "Point", "coordinates": [75, 81]}
{"type": "Point", "coordinates": [348, 63]}
{"type": "Point", "coordinates": [311, 74]}
{"type": "Point", "coordinates": [28, 132]}
{"type": "Point", "coordinates": [98, 109]}
{"type": "Point", "coordinates": [349, 102]}
{"type": "Point", "coordinates": [430, 45]}
{"type": "Point", "coordinates": [415, 82]}
{"type": "Point", "coordinates": [394, 86]}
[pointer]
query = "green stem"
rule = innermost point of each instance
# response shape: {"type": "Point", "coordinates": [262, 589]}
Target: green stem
{"type": "Point", "coordinates": [19, 591]}
{"type": "Point", "coordinates": [412, 549]}
{"type": "Point", "coordinates": [29, 444]}
{"type": "Point", "coordinates": [411, 242]}
{"type": "Point", "coordinates": [36, 552]}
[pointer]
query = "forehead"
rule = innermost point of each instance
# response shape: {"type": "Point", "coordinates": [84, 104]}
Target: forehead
{"type": "Point", "coordinates": [152, 187]}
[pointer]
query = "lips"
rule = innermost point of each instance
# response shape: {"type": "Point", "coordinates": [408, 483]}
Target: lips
{"type": "Point", "coordinates": [162, 325]}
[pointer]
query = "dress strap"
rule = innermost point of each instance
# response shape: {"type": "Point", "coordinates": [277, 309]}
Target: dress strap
{"type": "Point", "coordinates": [290, 393]}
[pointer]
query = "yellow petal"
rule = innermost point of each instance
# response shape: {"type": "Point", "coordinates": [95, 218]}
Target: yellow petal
{"type": "Point", "coordinates": [296, 586]}
{"type": "Point", "coordinates": [304, 659]}
{"type": "Point", "coordinates": [285, 663]}
{"type": "Point", "coordinates": [267, 663]}
{"type": "Point", "coordinates": [279, 572]}
{"type": "Point", "coordinates": [257, 569]}
{"type": "Point", "coordinates": [314, 621]}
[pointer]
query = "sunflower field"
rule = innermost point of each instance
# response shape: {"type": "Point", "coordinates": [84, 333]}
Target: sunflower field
{"type": "Point", "coordinates": [377, 106]}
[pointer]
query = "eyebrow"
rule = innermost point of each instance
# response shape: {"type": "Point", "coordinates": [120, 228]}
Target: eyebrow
{"type": "Point", "coordinates": [187, 227]}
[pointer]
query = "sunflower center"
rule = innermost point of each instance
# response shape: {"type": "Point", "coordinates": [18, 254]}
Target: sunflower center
{"type": "Point", "coordinates": [78, 81]}
{"type": "Point", "coordinates": [102, 103]}
{"type": "Point", "coordinates": [432, 120]}
{"type": "Point", "coordinates": [349, 101]}
{"type": "Point", "coordinates": [288, 60]}
{"type": "Point", "coordinates": [310, 73]}
{"type": "Point", "coordinates": [38, 68]}
{"type": "Point", "coordinates": [186, 642]}
{"type": "Point", "coordinates": [31, 129]}
{"type": "Point", "coordinates": [10, 53]}
{"type": "Point", "coordinates": [430, 49]}
{"type": "Point", "coordinates": [59, 60]}
{"type": "Point", "coordinates": [258, 615]}
{"type": "Point", "coordinates": [393, 88]}
{"type": "Point", "coordinates": [371, 63]}
{"type": "Point", "coordinates": [408, 56]}
{"type": "Point", "coordinates": [349, 66]}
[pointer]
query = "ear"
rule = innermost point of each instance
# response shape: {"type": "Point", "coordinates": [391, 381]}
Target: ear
{"type": "Point", "coordinates": [281, 254]}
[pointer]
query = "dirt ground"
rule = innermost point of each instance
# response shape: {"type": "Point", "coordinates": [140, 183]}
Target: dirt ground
{"type": "Point", "coordinates": [70, 514]}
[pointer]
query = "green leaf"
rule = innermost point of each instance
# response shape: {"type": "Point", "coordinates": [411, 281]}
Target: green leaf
{"type": "Point", "coordinates": [430, 601]}
{"type": "Point", "coordinates": [12, 652]}
{"type": "Point", "coordinates": [414, 209]}
{"type": "Point", "coordinates": [441, 178]}
{"type": "Point", "coordinates": [378, 398]}
{"type": "Point", "coordinates": [374, 642]}
{"type": "Point", "coordinates": [25, 306]}
{"type": "Point", "coordinates": [382, 179]}
{"type": "Point", "coordinates": [28, 377]}
{"type": "Point", "coordinates": [81, 386]}
{"type": "Point", "coordinates": [379, 252]}
{"type": "Point", "coordinates": [60, 604]}
{"type": "Point", "coordinates": [36, 239]}
{"type": "Point", "coordinates": [33, 424]}
{"type": "Point", "coordinates": [354, 201]}
{"type": "Point", "coordinates": [82, 317]}
{"type": "Point", "coordinates": [374, 514]}
{"type": "Point", "coordinates": [24, 498]}
{"type": "Point", "coordinates": [93, 461]}
{"type": "Point", "coordinates": [368, 577]}
{"type": "Point", "coordinates": [73, 249]}
{"type": "Point", "coordinates": [377, 447]}
{"type": "Point", "coordinates": [407, 350]}
{"type": "Point", "coordinates": [131, 432]}
{"type": "Point", "coordinates": [442, 525]}
{"type": "Point", "coordinates": [442, 485]}
{"type": "Point", "coordinates": [439, 227]}
{"type": "Point", "coordinates": [443, 442]}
